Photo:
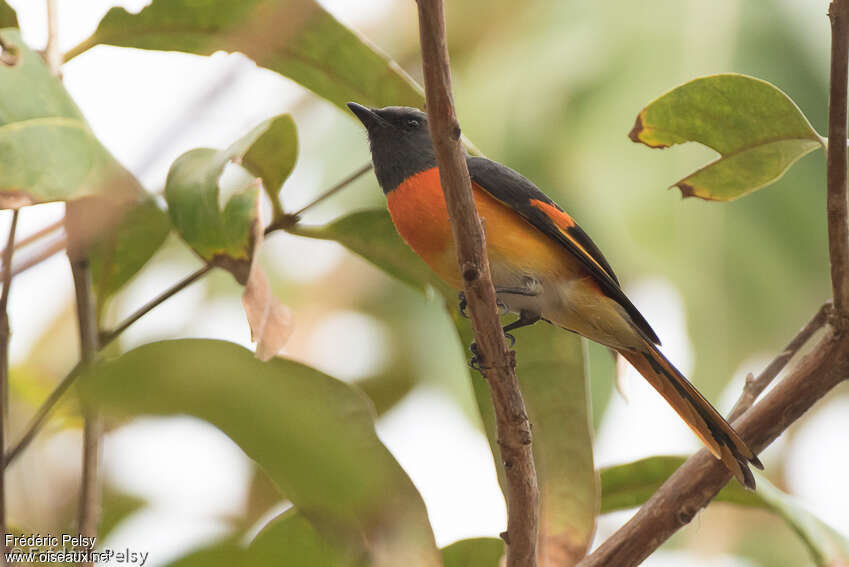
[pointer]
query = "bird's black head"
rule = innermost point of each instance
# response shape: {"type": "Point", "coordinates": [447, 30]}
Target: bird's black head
{"type": "Point", "coordinates": [400, 142]}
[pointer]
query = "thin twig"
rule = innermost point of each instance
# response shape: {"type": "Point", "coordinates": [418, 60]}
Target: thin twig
{"type": "Point", "coordinates": [38, 235]}
{"type": "Point", "coordinates": [109, 336]}
{"type": "Point", "coordinates": [106, 337]}
{"type": "Point", "coordinates": [4, 371]}
{"type": "Point", "coordinates": [78, 254]}
{"type": "Point", "coordinates": [47, 252]}
{"type": "Point", "coordinates": [498, 362]}
{"type": "Point", "coordinates": [52, 53]}
{"type": "Point", "coordinates": [838, 219]}
{"type": "Point", "coordinates": [335, 189]}
{"type": "Point", "coordinates": [701, 477]}
{"type": "Point", "coordinates": [755, 386]}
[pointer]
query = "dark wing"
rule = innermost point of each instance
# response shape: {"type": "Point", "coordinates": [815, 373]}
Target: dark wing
{"type": "Point", "coordinates": [518, 193]}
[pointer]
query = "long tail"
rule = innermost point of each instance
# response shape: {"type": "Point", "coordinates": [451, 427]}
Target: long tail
{"type": "Point", "coordinates": [717, 435]}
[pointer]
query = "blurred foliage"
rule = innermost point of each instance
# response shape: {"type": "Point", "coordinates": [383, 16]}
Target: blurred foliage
{"type": "Point", "coordinates": [298, 39]}
{"type": "Point", "coordinates": [47, 151]}
{"type": "Point", "coordinates": [478, 552]}
{"type": "Point", "coordinates": [313, 435]}
{"type": "Point", "coordinates": [757, 130]}
{"type": "Point", "coordinates": [551, 89]}
{"type": "Point", "coordinates": [8, 17]}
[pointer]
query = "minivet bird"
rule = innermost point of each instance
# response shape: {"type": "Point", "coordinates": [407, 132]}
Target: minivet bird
{"type": "Point", "coordinates": [544, 266]}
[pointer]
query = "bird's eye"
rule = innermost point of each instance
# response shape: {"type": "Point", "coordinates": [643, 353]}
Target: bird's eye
{"type": "Point", "coordinates": [413, 123]}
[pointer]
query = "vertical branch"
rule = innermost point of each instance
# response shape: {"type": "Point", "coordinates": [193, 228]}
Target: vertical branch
{"type": "Point", "coordinates": [79, 242]}
{"type": "Point", "coordinates": [838, 226]}
{"type": "Point", "coordinates": [4, 373]}
{"type": "Point", "coordinates": [514, 433]}
{"type": "Point", "coordinates": [52, 54]}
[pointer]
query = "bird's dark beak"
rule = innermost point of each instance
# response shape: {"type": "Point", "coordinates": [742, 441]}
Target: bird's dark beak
{"type": "Point", "coordinates": [367, 116]}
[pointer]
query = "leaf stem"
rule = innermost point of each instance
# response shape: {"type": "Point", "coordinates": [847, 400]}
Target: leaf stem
{"type": "Point", "coordinates": [498, 362]}
{"type": "Point", "coordinates": [4, 370]}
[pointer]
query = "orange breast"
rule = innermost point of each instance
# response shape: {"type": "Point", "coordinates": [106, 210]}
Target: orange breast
{"type": "Point", "coordinates": [418, 210]}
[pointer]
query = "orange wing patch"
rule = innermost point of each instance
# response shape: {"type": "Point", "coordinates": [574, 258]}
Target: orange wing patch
{"type": "Point", "coordinates": [564, 222]}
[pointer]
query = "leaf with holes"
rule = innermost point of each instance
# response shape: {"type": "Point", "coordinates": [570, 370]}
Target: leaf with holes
{"type": "Point", "coordinates": [312, 434]}
{"type": "Point", "coordinates": [272, 157]}
{"type": "Point", "coordinates": [229, 236]}
{"type": "Point", "coordinates": [298, 39]}
{"type": "Point", "coordinates": [755, 128]}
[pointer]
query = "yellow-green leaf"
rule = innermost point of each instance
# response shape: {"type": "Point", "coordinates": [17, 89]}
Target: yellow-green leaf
{"type": "Point", "coordinates": [313, 435]}
{"type": "Point", "coordinates": [756, 129]}
{"type": "Point", "coordinates": [47, 151]}
{"type": "Point", "coordinates": [8, 17]}
{"type": "Point", "coordinates": [296, 38]}
{"type": "Point", "coordinates": [476, 552]}
{"type": "Point", "coordinates": [272, 157]}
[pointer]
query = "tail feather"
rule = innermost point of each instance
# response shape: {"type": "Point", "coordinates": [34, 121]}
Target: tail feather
{"type": "Point", "coordinates": [717, 435]}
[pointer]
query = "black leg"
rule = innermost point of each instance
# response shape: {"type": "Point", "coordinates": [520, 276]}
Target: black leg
{"type": "Point", "coordinates": [525, 318]}
{"type": "Point", "coordinates": [463, 304]}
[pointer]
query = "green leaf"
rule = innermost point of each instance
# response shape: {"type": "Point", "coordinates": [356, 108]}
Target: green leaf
{"type": "Point", "coordinates": [372, 235]}
{"type": "Point", "coordinates": [630, 485]}
{"type": "Point", "coordinates": [827, 546]}
{"type": "Point", "coordinates": [290, 540]}
{"type": "Point", "coordinates": [272, 157]}
{"type": "Point", "coordinates": [297, 38]}
{"type": "Point", "coordinates": [223, 554]}
{"type": "Point", "coordinates": [758, 131]}
{"type": "Point", "coordinates": [313, 435]}
{"type": "Point", "coordinates": [553, 380]}
{"type": "Point", "coordinates": [47, 151]}
{"type": "Point", "coordinates": [8, 17]}
{"type": "Point", "coordinates": [117, 506]}
{"type": "Point", "coordinates": [551, 373]}
{"type": "Point", "coordinates": [117, 257]}
{"type": "Point", "coordinates": [476, 552]}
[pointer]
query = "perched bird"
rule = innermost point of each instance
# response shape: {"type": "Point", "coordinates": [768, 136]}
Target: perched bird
{"type": "Point", "coordinates": [544, 267]}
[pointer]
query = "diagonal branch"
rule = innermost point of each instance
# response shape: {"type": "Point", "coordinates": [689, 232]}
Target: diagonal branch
{"type": "Point", "coordinates": [499, 364]}
{"type": "Point", "coordinates": [701, 477]}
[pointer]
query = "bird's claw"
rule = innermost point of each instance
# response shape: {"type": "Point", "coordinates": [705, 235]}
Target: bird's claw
{"type": "Point", "coordinates": [511, 339]}
{"type": "Point", "coordinates": [463, 304]}
{"type": "Point", "coordinates": [477, 360]}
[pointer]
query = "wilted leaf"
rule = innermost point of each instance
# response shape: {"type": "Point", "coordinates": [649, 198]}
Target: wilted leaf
{"type": "Point", "coordinates": [119, 255]}
{"type": "Point", "coordinates": [290, 540]}
{"type": "Point", "coordinates": [553, 381]}
{"type": "Point", "coordinates": [629, 485]}
{"type": "Point", "coordinates": [270, 320]}
{"type": "Point", "coordinates": [477, 552]}
{"type": "Point", "coordinates": [313, 435]}
{"type": "Point", "coordinates": [231, 237]}
{"type": "Point", "coordinates": [47, 151]}
{"type": "Point", "coordinates": [298, 39]}
{"type": "Point", "coordinates": [272, 157]}
{"type": "Point", "coordinates": [828, 547]}
{"type": "Point", "coordinates": [372, 235]}
{"type": "Point", "coordinates": [8, 17]}
{"type": "Point", "coordinates": [757, 130]}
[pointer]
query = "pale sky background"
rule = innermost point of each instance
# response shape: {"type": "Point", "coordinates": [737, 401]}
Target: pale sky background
{"type": "Point", "coordinates": [199, 476]}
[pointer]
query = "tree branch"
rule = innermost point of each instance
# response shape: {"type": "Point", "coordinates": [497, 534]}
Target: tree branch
{"type": "Point", "coordinates": [755, 386]}
{"type": "Point", "coordinates": [4, 371]}
{"type": "Point", "coordinates": [514, 433]}
{"type": "Point", "coordinates": [89, 504]}
{"type": "Point", "coordinates": [701, 477]}
{"type": "Point", "coordinates": [838, 225]}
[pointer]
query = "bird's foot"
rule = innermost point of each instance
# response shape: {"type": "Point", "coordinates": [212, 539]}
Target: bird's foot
{"type": "Point", "coordinates": [463, 304]}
